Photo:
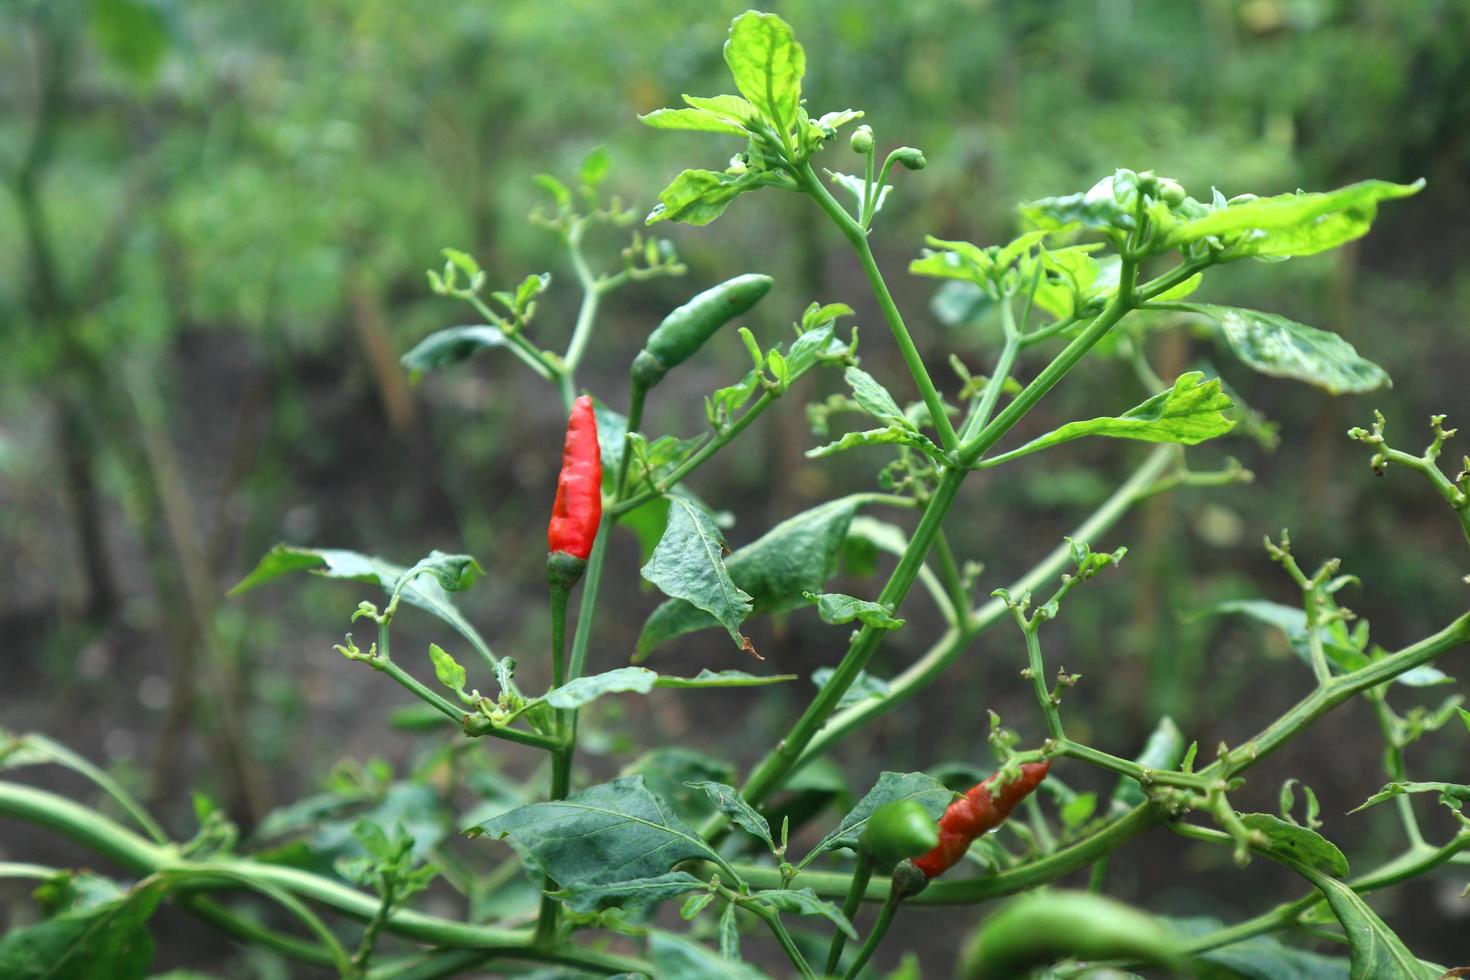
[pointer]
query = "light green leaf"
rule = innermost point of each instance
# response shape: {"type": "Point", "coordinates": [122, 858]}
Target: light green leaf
{"type": "Point", "coordinates": [796, 556]}
{"type": "Point", "coordinates": [1298, 843]}
{"type": "Point", "coordinates": [1464, 717]}
{"type": "Point", "coordinates": [1189, 413]}
{"type": "Point", "coordinates": [631, 896]}
{"type": "Point", "coordinates": [933, 795]}
{"type": "Point", "coordinates": [874, 398]}
{"type": "Point", "coordinates": [584, 690]}
{"type": "Point", "coordinates": [425, 592]}
{"type": "Point", "coordinates": [1286, 349]}
{"type": "Point", "coordinates": [446, 668]}
{"type": "Point", "coordinates": [730, 934]}
{"type": "Point", "coordinates": [893, 435]}
{"type": "Point", "coordinates": [689, 565]}
{"type": "Point", "coordinates": [612, 832]}
{"type": "Point", "coordinates": [732, 107]}
{"type": "Point", "coordinates": [837, 609]}
{"type": "Point", "coordinates": [768, 65]}
{"type": "Point", "coordinates": [804, 901]}
{"type": "Point", "coordinates": [697, 197]}
{"type": "Point", "coordinates": [1163, 750]}
{"type": "Point", "coordinates": [1292, 224]}
{"type": "Point", "coordinates": [1078, 810]}
{"type": "Point", "coordinates": [594, 169]}
{"type": "Point", "coordinates": [1102, 206]}
{"type": "Point", "coordinates": [727, 800]}
{"type": "Point", "coordinates": [697, 120]}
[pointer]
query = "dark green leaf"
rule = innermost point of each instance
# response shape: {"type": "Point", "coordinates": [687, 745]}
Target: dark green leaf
{"type": "Point", "coordinates": [1377, 950]}
{"type": "Point", "coordinates": [631, 896]}
{"type": "Point", "coordinates": [445, 347]}
{"type": "Point", "coordinates": [804, 901]}
{"type": "Point", "coordinates": [727, 800]}
{"type": "Point", "coordinates": [688, 565]}
{"type": "Point", "coordinates": [677, 958]}
{"type": "Point", "coordinates": [612, 832]}
{"type": "Point", "coordinates": [669, 771]}
{"type": "Point", "coordinates": [105, 940]}
{"type": "Point", "coordinates": [794, 557]}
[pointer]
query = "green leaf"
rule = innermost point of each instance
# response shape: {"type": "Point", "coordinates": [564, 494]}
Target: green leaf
{"type": "Point", "coordinates": [617, 831]}
{"type": "Point", "coordinates": [767, 64]}
{"type": "Point", "coordinates": [1078, 810]}
{"type": "Point", "coordinates": [794, 557]}
{"type": "Point", "coordinates": [893, 435]}
{"type": "Point", "coordinates": [1336, 642]}
{"type": "Point", "coordinates": [631, 896]}
{"type": "Point", "coordinates": [677, 958]}
{"type": "Point", "coordinates": [445, 347]}
{"type": "Point", "coordinates": [891, 786]}
{"type": "Point", "coordinates": [697, 197]}
{"type": "Point", "coordinates": [584, 690]}
{"type": "Point", "coordinates": [696, 120]}
{"type": "Point", "coordinates": [1292, 224]}
{"type": "Point", "coordinates": [727, 800]}
{"type": "Point", "coordinates": [1284, 348]}
{"type": "Point", "coordinates": [1189, 413]}
{"type": "Point", "coordinates": [424, 592]}
{"type": "Point", "coordinates": [1453, 795]}
{"type": "Point", "coordinates": [1163, 750]}
{"type": "Point", "coordinates": [1256, 958]}
{"type": "Point", "coordinates": [730, 934]}
{"type": "Point", "coordinates": [837, 609]}
{"type": "Point", "coordinates": [133, 34]}
{"type": "Point", "coordinates": [1377, 950]}
{"type": "Point", "coordinates": [454, 573]}
{"type": "Point", "coordinates": [804, 901]}
{"type": "Point", "coordinates": [447, 669]}
{"type": "Point", "coordinates": [857, 186]}
{"type": "Point", "coordinates": [1464, 717]}
{"type": "Point", "coordinates": [594, 169]}
{"type": "Point", "coordinates": [863, 687]}
{"type": "Point", "coordinates": [105, 940]}
{"type": "Point", "coordinates": [1102, 206]}
{"type": "Point", "coordinates": [732, 107]}
{"type": "Point", "coordinates": [688, 565]}
{"type": "Point", "coordinates": [1300, 843]}
{"type": "Point", "coordinates": [668, 772]}
{"type": "Point", "coordinates": [874, 398]}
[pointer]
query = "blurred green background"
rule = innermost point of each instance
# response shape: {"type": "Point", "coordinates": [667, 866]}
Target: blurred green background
{"type": "Point", "coordinates": [214, 222]}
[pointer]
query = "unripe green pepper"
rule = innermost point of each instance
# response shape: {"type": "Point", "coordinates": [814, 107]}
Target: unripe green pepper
{"type": "Point", "coordinates": [686, 329]}
{"type": "Point", "coordinates": [898, 830]}
{"type": "Point", "coordinates": [1046, 926]}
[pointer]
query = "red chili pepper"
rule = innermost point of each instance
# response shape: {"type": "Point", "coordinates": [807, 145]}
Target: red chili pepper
{"type": "Point", "coordinates": [975, 813]}
{"type": "Point", "coordinates": [578, 507]}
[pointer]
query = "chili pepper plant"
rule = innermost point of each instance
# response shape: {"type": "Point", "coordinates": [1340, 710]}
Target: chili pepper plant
{"type": "Point", "coordinates": [682, 867]}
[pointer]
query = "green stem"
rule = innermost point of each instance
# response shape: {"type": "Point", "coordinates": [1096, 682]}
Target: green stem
{"type": "Point", "coordinates": [473, 726]}
{"type": "Point", "coordinates": [773, 921]}
{"type": "Point", "coordinates": [850, 906]}
{"type": "Point", "coordinates": [875, 935]}
{"type": "Point", "coordinates": [518, 344]}
{"type": "Point", "coordinates": [994, 387]}
{"type": "Point", "coordinates": [1143, 776]}
{"type": "Point", "coordinates": [858, 238]}
{"type": "Point", "coordinates": [780, 761]}
{"type": "Point", "coordinates": [1052, 373]}
{"type": "Point", "coordinates": [1037, 670]}
{"type": "Point", "coordinates": [937, 659]}
{"type": "Point", "coordinates": [139, 856]}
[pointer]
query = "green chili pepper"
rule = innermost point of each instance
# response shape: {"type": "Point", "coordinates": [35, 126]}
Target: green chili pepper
{"type": "Point", "coordinates": [1043, 927]}
{"type": "Point", "coordinates": [686, 329]}
{"type": "Point", "coordinates": [898, 830]}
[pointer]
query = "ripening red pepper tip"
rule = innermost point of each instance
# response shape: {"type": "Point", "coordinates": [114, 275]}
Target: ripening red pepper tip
{"type": "Point", "coordinates": [975, 813]}
{"type": "Point", "coordinates": [578, 507]}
